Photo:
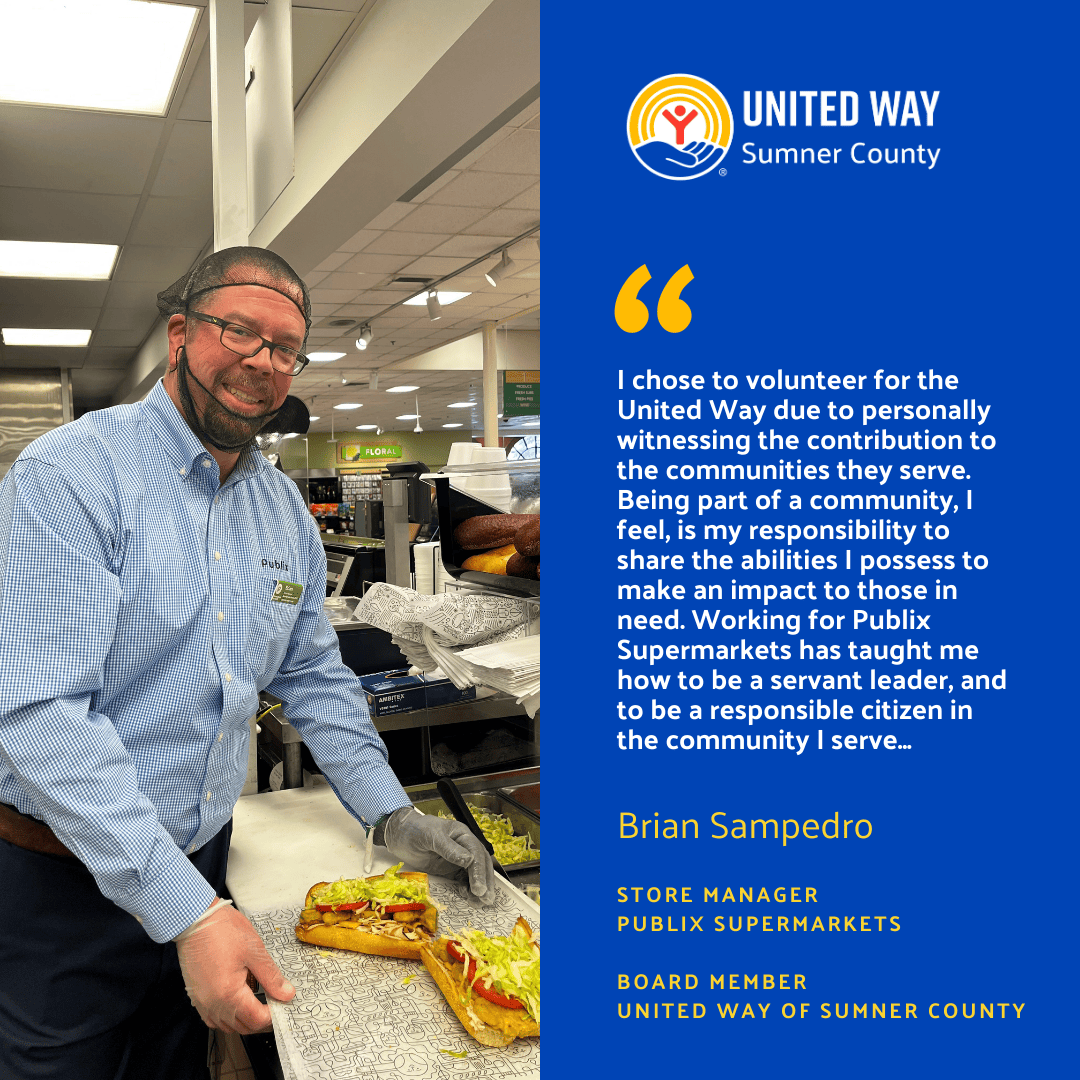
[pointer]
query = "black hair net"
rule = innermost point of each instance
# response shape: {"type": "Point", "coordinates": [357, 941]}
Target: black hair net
{"type": "Point", "coordinates": [237, 266]}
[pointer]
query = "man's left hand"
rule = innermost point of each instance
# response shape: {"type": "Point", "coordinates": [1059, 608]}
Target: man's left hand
{"type": "Point", "coordinates": [438, 846]}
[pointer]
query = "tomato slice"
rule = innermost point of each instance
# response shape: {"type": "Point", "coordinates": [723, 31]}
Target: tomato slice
{"type": "Point", "coordinates": [391, 908]}
{"type": "Point", "coordinates": [490, 995]}
{"type": "Point", "coordinates": [496, 998]}
{"type": "Point", "coordinates": [354, 905]}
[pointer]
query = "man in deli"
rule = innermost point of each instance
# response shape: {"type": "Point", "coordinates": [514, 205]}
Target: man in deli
{"type": "Point", "coordinates": [157, 574]}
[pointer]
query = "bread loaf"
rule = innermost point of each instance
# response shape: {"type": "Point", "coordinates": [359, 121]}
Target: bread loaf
{"type": "Point", "coordinates": [527, 538]}
{"type": "Point", "coordinates": [522, 566]}
{"type": "Point", "coordinates": [489, 530]}
{"type": "Point", "coordinates": [491, 562]}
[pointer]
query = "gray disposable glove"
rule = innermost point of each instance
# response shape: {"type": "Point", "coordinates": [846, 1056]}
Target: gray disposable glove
{"type": "Point", "coordinates": [438, 846]}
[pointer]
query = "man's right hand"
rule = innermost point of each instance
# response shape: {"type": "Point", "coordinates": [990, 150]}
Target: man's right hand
{"type": "Point", "coordinates": [215, 958]}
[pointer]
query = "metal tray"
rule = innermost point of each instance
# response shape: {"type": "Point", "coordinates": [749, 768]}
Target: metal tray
{"type": "Point", "coordinates": [523, 822]}
{"type": "Point", "coordinates": [525, 795]}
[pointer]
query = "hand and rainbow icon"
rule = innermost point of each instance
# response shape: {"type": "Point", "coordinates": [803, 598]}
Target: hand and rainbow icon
{"type": "Point", "coordinates": [679, 127]}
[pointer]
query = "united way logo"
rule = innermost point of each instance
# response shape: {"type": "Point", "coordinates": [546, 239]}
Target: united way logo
{"type": "Point", "coordinates": [679, 127]}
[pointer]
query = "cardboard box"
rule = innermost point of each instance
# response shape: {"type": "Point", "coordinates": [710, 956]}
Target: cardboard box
{"type": "Point", "coordinates": [390, 692]}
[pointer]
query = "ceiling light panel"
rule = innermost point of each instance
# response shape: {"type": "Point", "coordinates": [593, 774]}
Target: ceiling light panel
{"type": "Point", "coordinates": [112, 55]}
{"type": "Point", "coordinates": [401, 389]}
{"type": "Point", "coordinates": [71, 262]}
{"type": "Point", "coordinates": [444, 298]}
{"type": "Point", "coordinates": [21, 335]}
{"type": "Point", "coordinates": [324, 357]}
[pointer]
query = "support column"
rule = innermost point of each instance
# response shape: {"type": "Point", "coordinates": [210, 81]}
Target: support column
{"type": "Point", "coordinates": [491, 386]}
{"type": "Point", "coordinates": [228, 129]}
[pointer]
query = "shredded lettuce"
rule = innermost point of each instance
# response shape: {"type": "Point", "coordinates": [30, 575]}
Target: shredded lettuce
{"type": "Point", "coordinates": [508, 965]}
{"type": "Point", "coordinates": [388, 889]}
{"type": "Point", "coordinates": [455, 1053]}
{"type": "Point", "coordinates": [499, 832]}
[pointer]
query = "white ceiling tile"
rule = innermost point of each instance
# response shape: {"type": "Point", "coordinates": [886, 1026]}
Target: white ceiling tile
{"type": "Point", "coordinates": [318, 310]}
{"type": "Point", "coordinates": [53, 294]}
{"type": "Point", "coordinates": [38, 357]}
{"type": "Point", "coordinates": [367, 262]}
{"type": "Point", "coordinates": [119, 338]}
{"type": "Point", "coordinates": [487, 189]}
{"type": "Point", "coordinates": [390, 216]}
{"type": "Point", "coordinates": [405, 243]}
{"type": "Point", "coordinates": [111, 357]}
{"type": "Point", "coordinates": [121, 318]}
{"type": "Point", "coordinates": [186, 169]}
{"type": "Point", "coordinates": [518, 153]}
{"type": "Point", "coordinates": [175, 221]}
{"type": "Point", "coordinates": [529, 199]}
{"type": "Point", "coordinates": [358, 241]}
{"type": "Point", "coordinates": [513, 222]}
{"type": "Point", "coordinates": [433, 266]}
{"type": "Point", "coordinates": [136, 294]}
{"type": "Point", "coordinates": [39, 314]}
{"type": "Point", "coordinates": [332, 296]}
{"type": "Point", "coordinates": [439, 219]}
{"type": "Point", "coordinates": [534, 123]}
{"type": "Point", "coordinates": [313, 279]}
{"type": "Point", "coordinates": [150, 263]}
{"type": "Point", "coordinates": [331, 262]}
{"type": "Point", "coordinates": [355, 311]}
{"type": "Point", "coordinates": [72, 150]}
{"type": "Point", "coordinates": [64, 216]}
{"type": "Point", "coordinates": [471, 247]}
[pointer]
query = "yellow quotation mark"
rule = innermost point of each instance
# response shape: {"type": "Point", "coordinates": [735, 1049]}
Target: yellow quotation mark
{"type": "Point", "coordinates": [672, 312]}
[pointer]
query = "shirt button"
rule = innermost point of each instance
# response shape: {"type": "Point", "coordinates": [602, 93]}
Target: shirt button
{"type": "Point", "coordinates": [228, 677]}
{"type": "Point", "coordinates": [217, 554]}
{"type": "Point", "coordinates": [220, 737]}
{"type": "Point", "coordinates": [183, 472]}
{"type": "Point", "coordinates": [190, 851]}
{"type": "Point", "coordinates": [206, 464]}
{"type": "Point", "coordinates": [208, 796]}
{"type": "Point", "coordinates": [220, 616]}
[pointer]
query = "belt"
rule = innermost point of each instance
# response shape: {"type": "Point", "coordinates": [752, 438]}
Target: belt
{"type": "Point", "coordinates": [29, 833]}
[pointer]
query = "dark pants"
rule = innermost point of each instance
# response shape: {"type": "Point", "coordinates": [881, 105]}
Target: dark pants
{"type": "Point", "coordinates": [84, 993]}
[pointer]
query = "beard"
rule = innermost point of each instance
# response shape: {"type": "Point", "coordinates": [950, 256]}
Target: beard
{"type": "Point", "coordinates": [217, 424]}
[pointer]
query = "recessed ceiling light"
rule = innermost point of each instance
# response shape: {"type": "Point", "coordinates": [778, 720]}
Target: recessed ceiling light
{"type": "Point", "coordinates": [532, 423]}
{"type": "Point", "coordinates": [408, 416]}
{"type": "Point", "coordinates": [452, 425]}
{"type": "Point", "coordinates": [312, 419]}
{"type": "Point", "coordinates": [461, 404]}
{"type": "Point", "coordinates": [116, 55]}
{"type": "Point", "coordinates": [74, 262]}
{"type": "Point", "coordinates": [444, 299]}
{"type": "Point", "coordinates": [350, 405]}
{"type": "Point", "coordinates": [401, 389]}
{"type": "Point", "coordinates": [21, 335]}
{"type": "Point", "coordinates": [324, 357]}
{"type": "Point", "coordinates": [366, 427]}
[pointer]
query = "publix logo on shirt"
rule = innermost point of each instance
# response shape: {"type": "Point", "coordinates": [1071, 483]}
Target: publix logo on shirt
{"type": "Point", "coordinates": [275, 564]}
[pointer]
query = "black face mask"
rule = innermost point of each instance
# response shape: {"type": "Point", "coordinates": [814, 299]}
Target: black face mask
{"type": "Point", "coordinates": [221, 427]}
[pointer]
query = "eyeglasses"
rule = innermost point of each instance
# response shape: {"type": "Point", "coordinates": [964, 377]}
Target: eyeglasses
{"type": "Point", "coordinates": [244, 342]}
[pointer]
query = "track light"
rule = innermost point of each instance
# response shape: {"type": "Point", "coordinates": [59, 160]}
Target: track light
{"type": "Point", "coordinates": [418, 429]}
{"type": "Point", "coordinates": [434, 308]}
{"type": "Point", "coordinates": [364, 339]}
{"type": "Point", "coordinates": [500, 269]}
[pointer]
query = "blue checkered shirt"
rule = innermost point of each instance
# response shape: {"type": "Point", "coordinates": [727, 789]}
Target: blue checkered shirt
{"type": "Point", "coordinates": [139, 627]}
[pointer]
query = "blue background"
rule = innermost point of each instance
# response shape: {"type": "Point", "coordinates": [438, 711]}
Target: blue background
{"type": "Point", "coordinates": [967, 269]}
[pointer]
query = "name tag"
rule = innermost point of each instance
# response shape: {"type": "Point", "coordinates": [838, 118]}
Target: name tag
{"type": "Point", "coordinates": [287, 592]}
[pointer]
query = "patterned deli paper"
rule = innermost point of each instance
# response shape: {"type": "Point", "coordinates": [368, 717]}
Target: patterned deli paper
{"type": "Point", "coordinates": [381, 1017]}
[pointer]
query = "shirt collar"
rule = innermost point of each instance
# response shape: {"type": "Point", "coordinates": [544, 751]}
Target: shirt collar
{"type": "Point", "coordinates": [181, 447]}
